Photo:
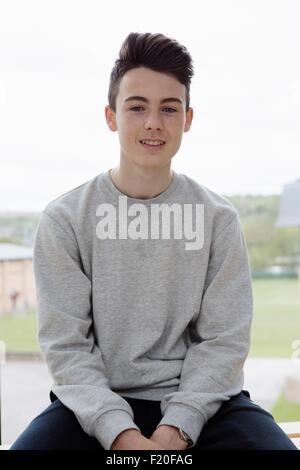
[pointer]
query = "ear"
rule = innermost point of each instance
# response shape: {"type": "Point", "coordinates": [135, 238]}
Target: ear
{"type": "Point", "coordinates": [110, 119]}
{"type": "Point", "coordinates": [188, 119]}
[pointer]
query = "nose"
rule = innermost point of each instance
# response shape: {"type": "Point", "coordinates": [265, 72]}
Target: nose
{"type": "Point", "coordinates": [153, 121]}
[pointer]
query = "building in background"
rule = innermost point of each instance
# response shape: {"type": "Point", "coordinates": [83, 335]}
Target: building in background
{"type": "Point", "coordinates": [289, 211]}
{"type": "Point", "coordinates": [17, 286]}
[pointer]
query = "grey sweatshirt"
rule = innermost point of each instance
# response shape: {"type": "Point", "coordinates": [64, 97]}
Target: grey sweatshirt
{"type": "Point", "coordinates": [130, 308]}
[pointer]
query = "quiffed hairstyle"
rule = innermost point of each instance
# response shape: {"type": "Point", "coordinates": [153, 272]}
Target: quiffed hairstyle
{"type": "Point", "coordinates": [158, 53]}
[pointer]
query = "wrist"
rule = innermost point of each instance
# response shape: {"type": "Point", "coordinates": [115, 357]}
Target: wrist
{"type": "Point", "coordinates": [170, 435]}
{"type": "Point", "coordinates": [126, 434]}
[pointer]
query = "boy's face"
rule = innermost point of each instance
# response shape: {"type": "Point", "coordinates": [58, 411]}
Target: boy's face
{"type": "Point", "coordinates": [137, 120]}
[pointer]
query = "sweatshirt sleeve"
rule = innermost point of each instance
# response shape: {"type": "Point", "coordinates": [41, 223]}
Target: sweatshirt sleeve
{"type": "Point", "coordinates": [212, 370]}
{"type": "Point", "coordinates": [65, 333]}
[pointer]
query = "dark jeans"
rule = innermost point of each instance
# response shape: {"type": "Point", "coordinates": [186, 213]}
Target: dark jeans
{"type": "Point", "coordinates": [239, 424]}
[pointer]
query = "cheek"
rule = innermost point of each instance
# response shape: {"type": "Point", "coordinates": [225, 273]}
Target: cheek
{"type": "Point", "coordinates": [175, 124]}
{"type": "Point", "coordinates": [125, 130]}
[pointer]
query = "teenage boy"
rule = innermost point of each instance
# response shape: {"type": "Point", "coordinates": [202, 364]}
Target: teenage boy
{"type": "Point", "coordinates": [144, 289]}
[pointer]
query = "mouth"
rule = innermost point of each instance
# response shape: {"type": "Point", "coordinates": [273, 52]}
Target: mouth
{"type": "Point", "coordinates": [154, 145]}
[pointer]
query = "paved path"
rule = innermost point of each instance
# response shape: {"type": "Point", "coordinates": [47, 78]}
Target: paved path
{"type": "Point", "coordinates": [26, 386]}
{"type": "Point", "coordinates": [265, 377]}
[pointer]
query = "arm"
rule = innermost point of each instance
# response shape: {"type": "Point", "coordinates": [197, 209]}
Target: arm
{"type": "Point", "coordinates": [66, 338]}
{"type": "Point", "coordinates": [212, 370]}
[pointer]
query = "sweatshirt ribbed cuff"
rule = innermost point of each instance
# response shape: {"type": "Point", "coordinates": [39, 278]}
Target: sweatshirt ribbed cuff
{"type": "Point", "coordinates": [110, 424]}
{"type": "Point", "coordinates": [185, 417]}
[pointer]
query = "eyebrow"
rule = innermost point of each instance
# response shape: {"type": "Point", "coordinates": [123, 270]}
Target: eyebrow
{"type": "Point", "coordinates": [142, 98]}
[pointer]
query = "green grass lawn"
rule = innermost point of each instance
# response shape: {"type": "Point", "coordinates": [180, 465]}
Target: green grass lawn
{"type": "Point", "coordinates": [19, 332]}
{"type": "Point", "coordinates": [276, 321]}
{"type": "Point", "coordinates": [284, 411]}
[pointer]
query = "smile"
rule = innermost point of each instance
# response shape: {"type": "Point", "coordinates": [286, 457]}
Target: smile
{"type": "Point", "coordinates": [152, 145]}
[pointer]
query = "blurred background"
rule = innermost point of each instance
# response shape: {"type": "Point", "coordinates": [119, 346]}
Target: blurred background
{"type": "Point", "coordinates": [244, 143]}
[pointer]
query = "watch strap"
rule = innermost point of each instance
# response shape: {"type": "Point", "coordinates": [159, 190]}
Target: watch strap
{"type": "Point", "coordinates": [185, 437]}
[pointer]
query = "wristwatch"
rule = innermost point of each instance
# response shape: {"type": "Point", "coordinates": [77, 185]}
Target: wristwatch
{"type": "Point", "coordinates": [185, 437]}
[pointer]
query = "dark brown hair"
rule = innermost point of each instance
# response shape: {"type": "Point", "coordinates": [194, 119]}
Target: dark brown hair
{"type": "Point", "coordinates": [158, 53]}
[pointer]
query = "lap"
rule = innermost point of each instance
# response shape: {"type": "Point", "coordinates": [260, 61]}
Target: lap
{"type": "Point", "coordinates": [239, 424]}
{"type": "Point", "coordinates": [57, 427]}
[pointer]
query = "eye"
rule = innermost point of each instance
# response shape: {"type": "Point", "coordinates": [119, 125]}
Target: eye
{"type": "Point", "coordinates": [171, 110]}
{"type": "Point", "coordinates": [135, 107]}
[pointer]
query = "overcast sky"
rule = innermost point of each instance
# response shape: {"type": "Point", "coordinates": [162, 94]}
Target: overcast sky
{"type": "Point", "coordinates": [56, 57]}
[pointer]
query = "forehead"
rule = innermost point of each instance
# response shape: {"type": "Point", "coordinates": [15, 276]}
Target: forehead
{"type": "Point", "coordinates": [145, 82]}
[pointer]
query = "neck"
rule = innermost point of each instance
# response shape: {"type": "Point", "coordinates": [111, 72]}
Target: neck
{"type": "Point", "coordinates": [139, 182]}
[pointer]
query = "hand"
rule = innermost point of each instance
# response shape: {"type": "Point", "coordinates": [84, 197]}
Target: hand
{"type": "Point", "coordinates": [132, 439]}
{"type": "Point", "coordinates": [168, 437]}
